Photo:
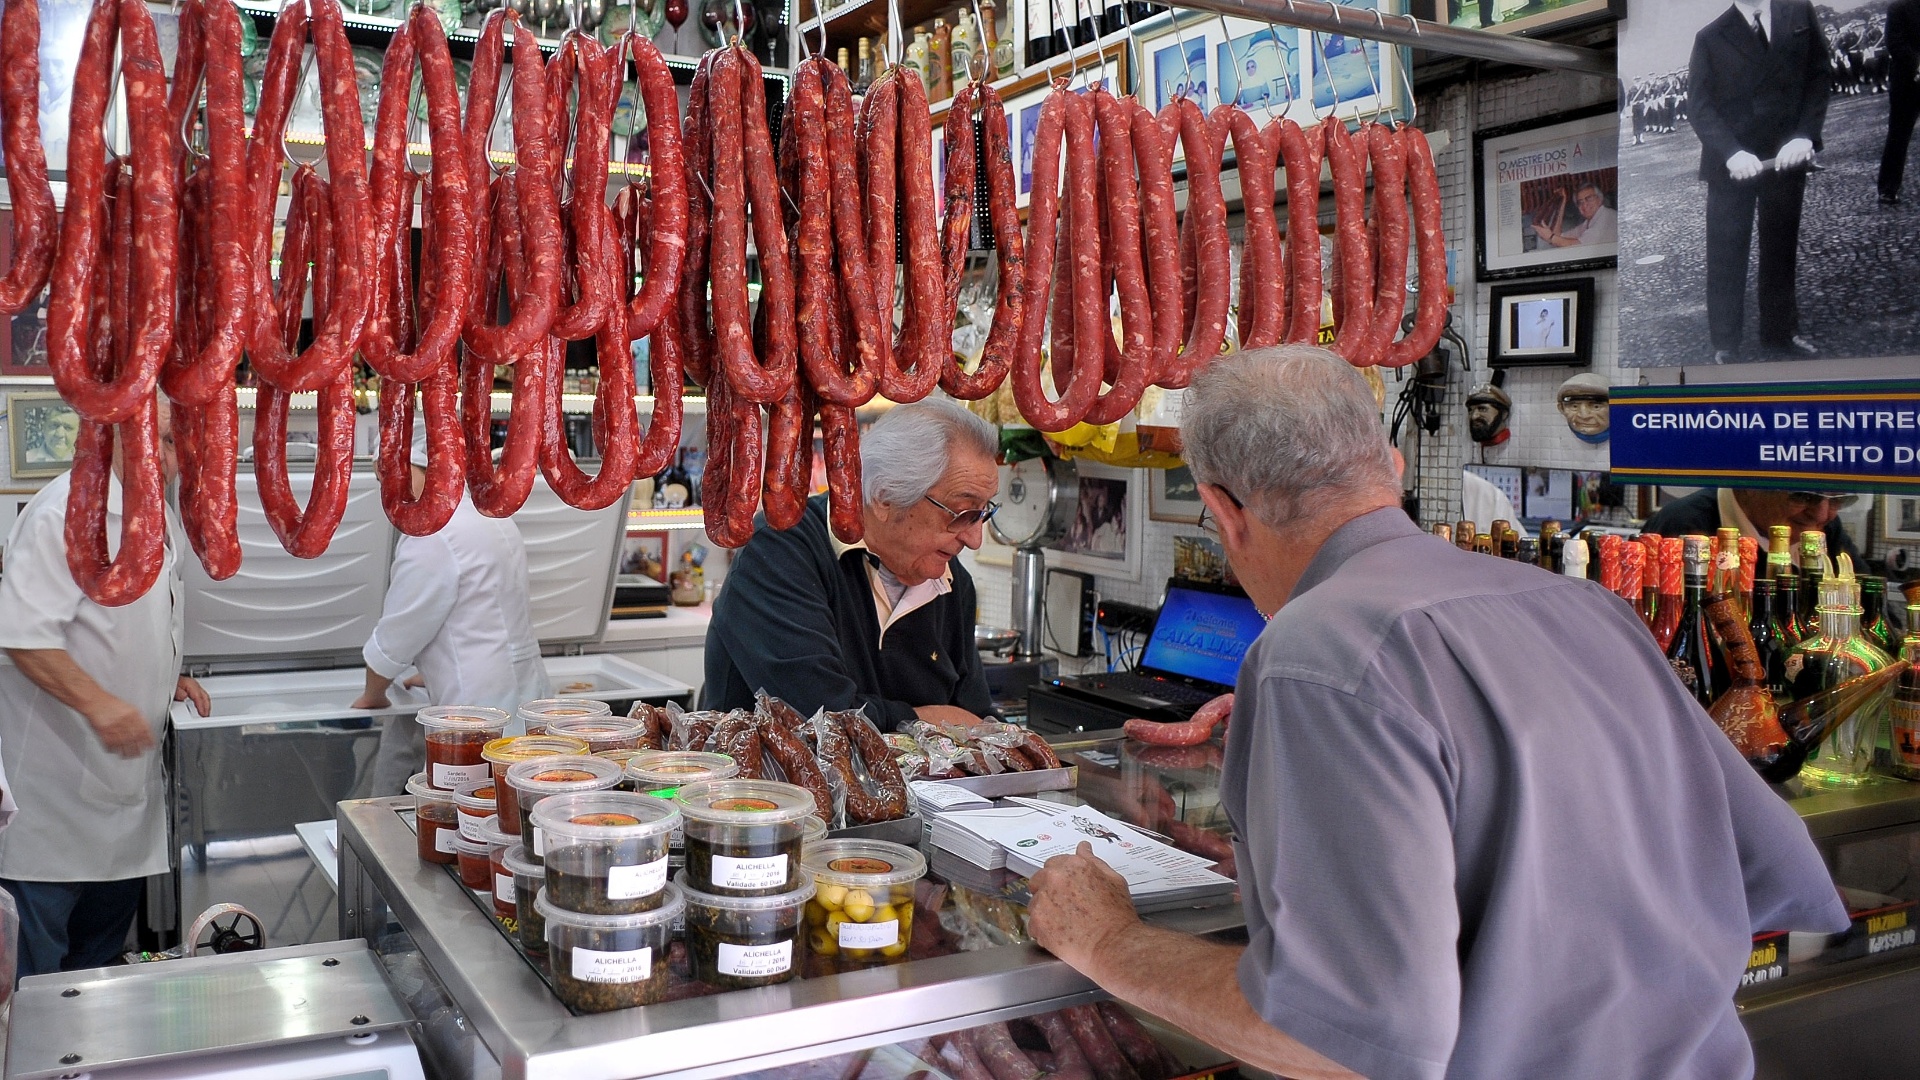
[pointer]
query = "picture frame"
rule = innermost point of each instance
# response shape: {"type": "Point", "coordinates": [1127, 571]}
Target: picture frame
{"type": "Point", "coordinates": [1900, 519]}
{"type": "Point", "coordinates": [12, 502]}
{"type": "Point", "coordinates": [1541, 323]}
{"type": "Point", "coordinates": [1164, 76]}
{"type": "Point", "coordinates": [41, 432]}
{"type": "Point", "coordinates": [644, 554]}
{"type": "Point", "coordinates": [1538, 181]}
{"type": "Point", "coordinates": [23, 336]}
{"type": "Point", "coordinates": [1107, 537]}
{"type": "Point", "coordinates": [1173, 495]}
{"type": "Point", "coordinates": [1519, 17]}
{"type": "Point", "coordinates": [1025, 97]}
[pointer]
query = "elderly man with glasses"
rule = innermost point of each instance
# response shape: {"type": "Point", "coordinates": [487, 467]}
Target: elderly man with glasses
{"type": "Point", "coordinates": [885, 624]}
{"type": "Point", "coordinates": [1754, 511]}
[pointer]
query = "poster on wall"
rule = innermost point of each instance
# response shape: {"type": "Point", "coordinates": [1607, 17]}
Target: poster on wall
{"type": "Point", "coordinates": [1518, 16]}
{"type": "Point", "coordinates": [1763, 215]}
{"type": "Point", "coordinates": [1549, 190]}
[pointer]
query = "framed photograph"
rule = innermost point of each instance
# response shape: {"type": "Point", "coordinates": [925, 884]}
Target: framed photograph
{"type": "Point", "coordinates": [1177, 62]}
{"type": "Point", "coordinates": [644, 555]}
{"type": "Point", "coordinates": [1023, 108]}
{"type": "Point", "coordinates": [41, 432]}
{"type": "Point", "coordinates": [1549, 194]}
{"type": "Point", "coordinates": [1518, 16]}
{"type": "Point", "coordinates": [1900, 518]}
{"type": "Point", "coordinates": [1258, 65]}
{"type": "Point", "coordinates": [1107, 535]}
{"type": "Point", "coordinates": [1541, 323]}
{"type": "Point", "coordinates": [23, 347]}
{"type": "Point", "coordinates": [1173, 495]}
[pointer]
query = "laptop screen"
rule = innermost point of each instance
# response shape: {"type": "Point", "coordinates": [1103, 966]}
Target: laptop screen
{"type": "Point", "coordinates": [1202, 635]}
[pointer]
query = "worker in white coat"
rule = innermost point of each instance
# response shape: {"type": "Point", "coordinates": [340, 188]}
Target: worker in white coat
{"type": "Point", "coordinates": [457, 611]}
{"type": "Point", "coordinates": [84, 696]}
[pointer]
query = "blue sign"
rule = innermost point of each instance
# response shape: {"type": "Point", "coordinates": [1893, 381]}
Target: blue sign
{"type": "Point", "coordinates": [1856, 436]}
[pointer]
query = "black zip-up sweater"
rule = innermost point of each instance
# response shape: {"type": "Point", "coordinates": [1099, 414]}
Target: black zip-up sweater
{"type": "Point", "coordinates": [798, 622]}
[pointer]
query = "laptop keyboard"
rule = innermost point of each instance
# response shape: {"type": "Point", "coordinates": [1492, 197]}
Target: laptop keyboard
{"type": "Point", "coordinates": [1162, 689]}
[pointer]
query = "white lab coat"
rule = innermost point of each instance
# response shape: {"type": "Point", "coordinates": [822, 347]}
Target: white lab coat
{"type": "Point", "coordinates": [1483, 503]}
{"type": "Point", "coordinates": [86, 814]}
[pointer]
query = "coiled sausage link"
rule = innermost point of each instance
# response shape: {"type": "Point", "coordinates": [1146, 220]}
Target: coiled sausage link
{"type": "Point", "coordinates": [1390, 232]}
{"type": "Point", "coordinates": [696, 336]}
{"type": "Point", "coordinates": [805, 178]}
{"type": "Point", "coordinates": [446, 466]}
{"type": "Point", "coordinates": [780, 349]}
{"type": "Point", "coordinates": [668, 185]}
{"type": "Point", "coordinates": [1010, 309]}
{"type": "Point", "coordinates": [1043, 221]}
{"type": "Point", "coordinates": [26, 160]}
{"type": "Point", "coordinates": [861, 324]}
{"type": "Point", "coordinates": [1262, 284]}
{"type": "Point", "coordinates": [746, 191]}
{"type": "Point", "coordinates": [1430, 316]}
{"type": "Point", "coordinates": [582, 62]}
{"type": "Point", "coordinates": [500, 489]}
{"type": "Point", "coordinates": [840, 436]}
{"type": "Point", "coordinates": [1153, 153]}
{"type": "Point", "coordinates": [1119, 210]}
{"type": "Point", "coordinates": [615, 424]}
{"type": "Point", "coordinates": [1353, 248]}
{"type": "Point", "coordinates": [789, 456]}
{"type": "Point", "coordinates": [665, 357]}
{"type": "Point", "coordinates": [1301, 153]}
{"type": "Point", "coordinates": [1205, 250]}
{"type": "Point", "coordinates": [132, 570]}
{"type": "Point", "coordinates": [925, 346]}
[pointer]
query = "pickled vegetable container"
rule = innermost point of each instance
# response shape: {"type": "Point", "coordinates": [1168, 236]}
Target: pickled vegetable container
{"type": "Point", "coordinates": [861, 914]}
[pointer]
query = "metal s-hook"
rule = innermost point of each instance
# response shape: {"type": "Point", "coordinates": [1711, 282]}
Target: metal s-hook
{"type": "Point", "coordinates": [1186, 62]}
{"type": "Point", "coordinates": [1333, 88]}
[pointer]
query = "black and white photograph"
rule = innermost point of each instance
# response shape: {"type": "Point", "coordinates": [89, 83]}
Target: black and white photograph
{"type": "Point", "coordinates": [1107, 533]}
{"type": "Point", "coordinates": [1900, 519]}
{"type": "Point", "coordinates": [1764, 214]}
{"type": "Point", "coordinates": [1174, 495]}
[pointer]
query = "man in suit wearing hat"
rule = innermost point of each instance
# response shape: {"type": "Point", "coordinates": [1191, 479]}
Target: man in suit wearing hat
{"type": "Point", "coordinates": [1758, 100]}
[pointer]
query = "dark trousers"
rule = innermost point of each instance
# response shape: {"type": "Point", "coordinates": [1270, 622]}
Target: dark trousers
{"type": "Point", "coordinates": [1904, 100]}
{"type": "Point", "coordinates": [69, 925]}
{"type": "Point", "coordinates": [1731, 207]}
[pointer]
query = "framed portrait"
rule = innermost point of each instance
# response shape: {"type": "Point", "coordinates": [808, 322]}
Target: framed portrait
{"type": "Point", "coordinates": [1549, 194]}
{"type": "Point", "coordinates": [1900, 518]}
{"type": "Point", "coordinates": [1173, 495]}
{"type": "Point", "coordinates": [41, 432]}
{"type": "Point", "coordinates": [644, 555]}
{"type": "Point", "coordinates": [1107, 534]}
{"type": "Point", "coordinates": [1541, 323]}
{"type": "Point", "coordinates": [1257, 66]}
{"type": "Point", "coordinates": [1518, 16]}
{"type": "Point", "coordinates": [1177, 61]}
{"type": "Point", "coordinates": [1023, 117]}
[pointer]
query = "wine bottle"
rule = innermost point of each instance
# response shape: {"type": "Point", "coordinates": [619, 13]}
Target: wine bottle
{"type": "Point", "coordinates": [1786, 608]}
{"type": "Point", "coordinates": [1813, 568]}
{"type": "Point", "coordinates": [1873, 613]}
{"type": "Point", "coordinates": [1087, 30]}
{"type": "Point", "coordinates": [863, 79]}
{"type": "Point", "coordinates": [1763, 626]}
{"type": "Point", "coordinates": [1573, 557]}
{"type": "Point", "coordinates": [1607, 553]}
{"type": "Point", "coordinates": [1549, 543]}
{"type": "Point", "coordinates": [1039, 32]}
{"type": "Point", "coordinates": [1443, 530]}
{"type": "Point", "coordinates": [1633, 571]}
{"type": "Point", "coordinates": [1904, 711]}
{"type": "Point", "coordinates": [1463, 532]}
{"type": "Point", "coordinates": [1527, 551]}
{"type": "Point", "coordinates": [1690, 651]}
{"type": "Point", "coordinates": [1672, 580]}
{"type": "Point", "coordinates": [940, 61]}
{"type": "Point", "coordinates": [1779, 550]}
{"type": "Point", "coordinates": [1834, 655]}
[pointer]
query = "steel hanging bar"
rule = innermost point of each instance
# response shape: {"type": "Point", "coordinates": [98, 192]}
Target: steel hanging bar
{"type": "Point", "coordinates": [1331, 18]}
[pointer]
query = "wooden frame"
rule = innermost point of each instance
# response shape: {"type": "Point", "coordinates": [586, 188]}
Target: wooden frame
{"type": "Point", "coordinates": [1900, 519]}
{"type": "Point", "coordinates": [1529, 178]}
{"type": "Point", "coordinates": [1541, 323]}
{"type": "Point", "coordinates": [41, 431]}
{"type": "Point", "coordinates": [1105, 540]}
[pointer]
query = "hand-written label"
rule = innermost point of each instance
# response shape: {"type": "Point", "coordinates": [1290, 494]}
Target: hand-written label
{"type": "Point", "coordinates": [634, 882]}
{"type": "Point", "coordinates": [767, 873]}
{"type": "Point", "coordinates": [755, 961]}
{"type": "Point", "coordinates": [449, 777]}
{"type": "Point", "coordinates": [876, 935]}
{"type": "Point", "coordinates": [593, 965]}
{"type": "Point", "coordinates": [443, 838]}
{"type": "Point", "coordinates": [470, 827]}
{"type": "Point", "coordinates": [503, 888]}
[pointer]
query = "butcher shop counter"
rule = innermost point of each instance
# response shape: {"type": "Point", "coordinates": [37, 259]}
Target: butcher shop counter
{"type": "Point", "coordinates": [486, 1008]}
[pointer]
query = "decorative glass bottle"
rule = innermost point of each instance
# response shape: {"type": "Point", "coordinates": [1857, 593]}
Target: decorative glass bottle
{"type": "Point", "coordinates": [1905, 710]}
{"type": "Point", "coordinates": [1834, 654]}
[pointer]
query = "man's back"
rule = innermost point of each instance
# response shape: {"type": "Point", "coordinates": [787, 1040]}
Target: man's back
{"type": "Point", "coordinates": [1485, 833]}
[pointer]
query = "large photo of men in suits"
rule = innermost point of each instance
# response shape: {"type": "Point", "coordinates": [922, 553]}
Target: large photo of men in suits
{"type": "Point", "coordinates": [1763, 208]}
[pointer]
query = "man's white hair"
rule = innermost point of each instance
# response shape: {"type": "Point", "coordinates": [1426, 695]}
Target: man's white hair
{"type": "Point", "coordinates": [907, 450]}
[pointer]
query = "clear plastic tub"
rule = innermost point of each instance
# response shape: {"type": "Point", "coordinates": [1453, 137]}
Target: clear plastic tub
{"type": "Point", "coordinates": [488, 832]}
{"type": "Point", "coordinates": [529, 877]}
{"type": "Point", "coordinates": [475, 803]}
{"type": "Point", "coordinates": [456, 734]}
{"type": "Point", "coordinates": [433, 820]}
{"type": "Point", "coordinates": [606, 851]}
{"type": "Point", "coordinates": [503, 754]}
{"type": "Point", "coordinates": [861, 914]}
{"type": "Point", "coordinates": [538, 714]}
{"type": "Point", "coordinates": [602, 732]}
{"type": "Point", "coordinates": [621, 758]}
{"type": "Point", "coordinates": [738, 942]}
{"type": "Point", "coordinates": [663, 772]}
{"type": "Point", "coordinates": [811, 830]}
{"type": "Point", "coordinates": [565, 775]}
{"type": "Point", "coordinates": [743, 836]}
{"type": "Point", "coordinates": [605, 962]}
{"type": "Point", "coordinates": [476, 873]}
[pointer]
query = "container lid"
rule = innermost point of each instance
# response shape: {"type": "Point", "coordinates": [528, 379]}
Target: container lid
{"type": "Point", "coordinates": [527, 747]}
{"type": "Point", "coordinates": [744, 802]}
{"type": "Point", "coordinates": [461, 718]}
{"type": "Point", "coordinates": [605, 726]}
{"type": "Point", "coordinates": [862, 864]}
{"type": "Point", "coordinates": [478, 795]}
{"type": "Point", "coordinates": [604, 815]}
{"type": "Point", "coordinates": [422, 788]}
{"type": "Point", "coordinates": [672, 907]}
{"type": "Point", "coordinates": [812, 830]}
{"type": "Point", "coordinates": [623, 755]}
{"type": "Point", "coordinates": [775, 902]}
{"type": "Point", "coordinates": [517, 863]}
{"type": "Point", "coordinates": [464, 846]}
{"type": "Point", "coordinates": [550, 709]}
{"type": "Point", "coordinates": [667, 771]}
{"type": "Point", "coordinates": [559, 775]}
{"type": "Point", "coordinates": [491, 835]}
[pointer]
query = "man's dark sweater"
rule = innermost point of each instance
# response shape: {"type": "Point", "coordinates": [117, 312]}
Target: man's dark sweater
{"type": "Point", "coordinates": [799, 622]}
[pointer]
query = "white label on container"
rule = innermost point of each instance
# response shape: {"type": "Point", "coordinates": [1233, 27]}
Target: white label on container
{"type": "Point", "coordinates": [873, 935]}
{"type": "Point", "coordinates": [503, 888]}
{"type": "Point", "coordinates": [634, 882]}
{"type": "Point", "coordinates": [448, 777]}
{"type": "Point", "coordinates": [443, 838]}
{"type": "Point", "coordinates": [469, 827]}
{"type": "Point", "coordinates": [593, 965]}
{"type": "Point", "coordinates": [755, 961]}
{"type": "Point", "coordinates": [539, 842]}
{"type": "Point", "coordinates": [767, 873]}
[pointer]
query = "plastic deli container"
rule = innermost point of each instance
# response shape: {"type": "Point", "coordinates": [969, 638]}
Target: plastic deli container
{"type": "Point", "coordinates": [475, 871]}
{"type": "Point", "coordinates": [663, 772]}
{"type": "Point", "coordinates": [606, 962]}
{"type": "Point", "coordinates": [475, 803]}
{"type": "Point", "coordinates": [488, 832]}
{"type": "Point", "coordinates": [811, 829]}
{"type": "Point", "coordinates": [456, 734]}
{"type": "Point", "coordinates": [737, 942]}
{"type": "Point", "coordinates": [606, 851]}
{"type": "Point", "coordinates": [743, 836]}
{"type": "Point", "coordinates": [502, 754]}
{"type": "Point", "coordinates": [530, 926]}
{"type": "Point", "coordinates": [534, 780]}
{"type": "Point", "coordinates": [602, 732]}
{"type": "Point", "coordinates": [861, 914]}
{"type": "Point", "coordinates": [621, 758]}
{"type": "Point", "coordinates": [433, 820]}
{"type": "Point", "coordinates": [538, 714]}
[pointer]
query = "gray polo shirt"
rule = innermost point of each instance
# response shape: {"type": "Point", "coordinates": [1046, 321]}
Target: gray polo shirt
{"type": "Point", "coordinates": [1483, 832]}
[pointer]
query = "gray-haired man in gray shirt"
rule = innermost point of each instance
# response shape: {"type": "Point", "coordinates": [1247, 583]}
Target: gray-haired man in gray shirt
{"type": "Point", "coordinates": [1481, 829]}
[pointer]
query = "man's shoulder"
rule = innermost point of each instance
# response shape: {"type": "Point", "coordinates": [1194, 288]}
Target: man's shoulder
{"type": "Point", "coordinates": [809, 540]}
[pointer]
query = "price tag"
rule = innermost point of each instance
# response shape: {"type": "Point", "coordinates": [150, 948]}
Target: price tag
{"type": "Point", "coordinates": [755, 961]}
{"type": "Point", "coordinates": [593, 965]}
{"type": "Point", "coordinates": [767, 873]}
{"type": "Point", "coordinates": [539, 842]}
{"type": "Point", "coordinates": [1768, 960]}
{"type": "Point", "coordinates": [634, 882]}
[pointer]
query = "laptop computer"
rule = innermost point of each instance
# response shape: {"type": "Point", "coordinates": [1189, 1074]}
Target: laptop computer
{"type": "Point", "coordinates": [1192, 655]}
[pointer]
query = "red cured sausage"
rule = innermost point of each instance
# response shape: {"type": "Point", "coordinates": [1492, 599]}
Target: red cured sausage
{"type": "Point", "coordinates": [1069, 1063]}
{"type": "Point", "coordinates": [1262, 284]}
{"type": "Point", "coordinates": [961, 1059]}
{"type": "Point", "coordinates": [209, 509]}
{"type": "Point", "coordinates": [1208, 259]}
{"type": "Point", "coordinates": [1091, 1033]}
{"type": "Point", "coordinates": [616, 425]}
{"type": "Point", "coordinates": [794, 759]}
{"type": "Point", "coordinates": [1119, 210]}
{"type": "Point", "coordinates": [446, 464]}
{"type": "Point", "coordinates": [1009, 312]}
{"type": "Point", "coordinates": [1146, 1055]}
{"type": "Point", "coordinates": [1388, 152]}
{"type": "Point", "coordinates": [1003, 1059]}
{"type": "Point", "coordinates": [860, 318]}
{"type": "Point", "coordinates": [840, 431]}
{"type": "Point", "coordinates": [1186, 733]}
{"type": "Point", "coordinates": [956, 229]}
{"type": "Point", "coordinates": [926, 348]}
{"type": "Point", "coordinates": [500, 489]}
{"type": "Point", "coordinates": [668, 237]}
{"type": "Point", "coordinates": [877, 151]}
{"type": "Point", "coordinates": [143, 531]}
{"type": "Point", "coordinates": [1301, 153]}
{"type": "Point", "coordinates": [1153, 152]}
{"type": "Point", "coordinates": [1430, 316]}
{"type": "Point", "coordinates": [789, 426]}
{"type": "Point", "coordinates": [695, 336]}
{"type": "Point", "coordinates": [804, 168]}
{"type": "Point", "coordinates": [26, 160]}
{"type": "Point", "coordinates": [1042, 754]}
{"type": "Point", "coordinates": [582, 62]}
{"type": "Point", "coordinates": [1353, 292]}
{"type": "Point", "coordinates": [746, 187]}
{"type": "Point", "coordinates": [1061, 108]}
{"type": "Point", "coordinates": [665, 357]}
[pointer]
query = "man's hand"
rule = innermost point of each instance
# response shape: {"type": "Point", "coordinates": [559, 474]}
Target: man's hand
{"type": "Point", "coordinates": [371, 702]}
{"type": "Point", "coordinates": [947, 716]}
{"type": "Point", "coordinates": [1544, 232]}
{"type": "Point", "coordinates": [1744, 166]}
{"type": "Point", "coordinates": [191, 691]}
{"type": "Point", "coordinates": [121, 727]}
{"type": "Point", "coordinates": [1797, 153]}
{"type": "Point", "coordinates": [1078, 903]}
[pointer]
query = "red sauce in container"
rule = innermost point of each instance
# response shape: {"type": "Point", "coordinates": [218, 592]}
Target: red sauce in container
{"type": "Point", "coordinates": [476, 869]}
{"type": "Point", "coordinates": [456, 735]}
{"type": "Point", "coordinates": [434, 819]}
{"type": "Point", "coordinates": [503, 754]}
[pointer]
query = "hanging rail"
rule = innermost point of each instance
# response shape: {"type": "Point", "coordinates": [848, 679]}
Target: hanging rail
{"type": "Point", "coordinates": [1406, 30]}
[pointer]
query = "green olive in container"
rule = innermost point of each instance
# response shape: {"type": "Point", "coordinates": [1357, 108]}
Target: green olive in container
{"type": "Point", "coordinates": [535, 780]}
{"type": "Point", "coordinates": [739, 942]}
{"type": "Point", "coordinates": [537, 715]}
{"type": "Point", "coordinates": [743, 836]}
{"type": "Point", "coordinates": [861, 914]}
{"type": "Point", "coordinates": [606, 851]}
{"type": "Point", "coordinates": [605, 962]}
{"type": "Point", "coordinates": [529, 878]}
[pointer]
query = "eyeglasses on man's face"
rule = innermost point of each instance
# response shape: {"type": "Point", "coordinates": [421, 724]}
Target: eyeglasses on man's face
{"type": "Point", "coordinates": [1836, 500]}
{"type": "Point", "coordinates": [962, 520]}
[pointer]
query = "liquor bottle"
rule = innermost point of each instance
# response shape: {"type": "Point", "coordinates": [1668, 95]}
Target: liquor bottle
{"type": "Point", "coordinates": [1904, 711]}
{"type": "Point", "coordinates": [1607, 553]}
{"type": "Point", "coordinates": [1039, 32]}
{"type": "Point", "coordinates": [919, 55]}
{"type": "Point", "coordinates": [1527, 551]}
{"type": "Point", "coordinates": [1573, 557]}
{"type": "Point", "coordinates": [1672, 580]}
{"type": "Point", "coordinates": [1746, 711]}
{"type": "Point", "coordinates": [863, 76]}
{"type": "Point", "coordinates": [1786, 607]}
{"type": "Point", "coordinates": [999, 50]}
{"type": "Point", "coordinates": [1836, 654]}
{"type": "Point", "coordinates": [1769, 644]}
{"type": "Point", "coordinates": [961, 51]}
{"type": "Point", "coordinates": [939, 62]}
{"type": "Point", "coordinates": [1690, 652]}
{"type": "Point", "coordinates": [1873, 614]}
{"type": "Point", "coordinates": [1549, 543]}
{"type": "Point", "coordinates": [1463, 533]}
{"type": "Point", "coordinates": [843, 61]}
{"type": "Point", "coordinates": [1443, 530]}
{"type": "Point", "coordinates": [1726, 563]}
{"type": "Point", "coordinates": [1633, 569]}
{"type": "Point", "coordinates": [1553, 552]}
{"type": "Point", "coordinates": [1509, 545]}
{"type": "Point", "coordinates": [1779, 550]}
{"type": "Point", "coordinates": [674, 489]}
{"type": "Point", "coordinates": [1749, 571]}
{"type": "Point", "coordinates": [1813, 567]}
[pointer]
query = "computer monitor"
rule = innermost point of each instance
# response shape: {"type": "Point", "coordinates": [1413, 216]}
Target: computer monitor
{"type": "Point", "coordinates": [1202, 633]}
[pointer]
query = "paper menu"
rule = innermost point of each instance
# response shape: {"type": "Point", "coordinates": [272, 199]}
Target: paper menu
{"type": "Point", "coordinates": [1031, 832]}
